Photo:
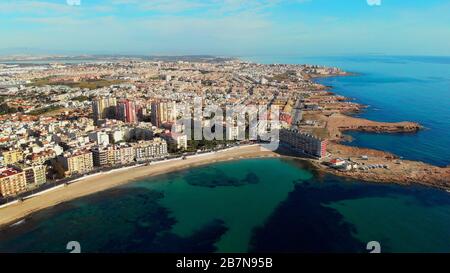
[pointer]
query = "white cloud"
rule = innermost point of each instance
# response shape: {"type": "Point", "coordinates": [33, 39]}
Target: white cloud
{"type": "Point", "coordinates": [73, 2]}
{"type": "Point", "coordinates": [36, 7]}
{"type": "Point", "coordinates": [374, 2]}
{"type": "Point", "coordinates": [212, 6]}
{"type": "Point", "coordinates": [227, 27]}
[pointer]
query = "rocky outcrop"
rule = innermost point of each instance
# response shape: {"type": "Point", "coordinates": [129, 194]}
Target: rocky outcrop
{"type": "Point", "coordinates": [397, 171]}
{"type": "Point", "coordinates": [403, 127]}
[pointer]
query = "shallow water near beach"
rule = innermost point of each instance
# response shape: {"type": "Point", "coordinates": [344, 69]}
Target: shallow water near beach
{"type": "Point", "coordinates": [250, 205]}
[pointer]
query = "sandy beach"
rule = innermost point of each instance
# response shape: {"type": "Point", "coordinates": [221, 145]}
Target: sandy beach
{"type": "Point", "coordinates": [16, 212]}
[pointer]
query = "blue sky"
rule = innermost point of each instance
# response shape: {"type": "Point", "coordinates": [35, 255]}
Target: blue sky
{"type": "Point", "coordinates": [226, 27]}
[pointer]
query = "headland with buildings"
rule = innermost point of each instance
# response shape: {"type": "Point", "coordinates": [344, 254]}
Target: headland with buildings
{"type": "Point", "coordinates": [60, 122]}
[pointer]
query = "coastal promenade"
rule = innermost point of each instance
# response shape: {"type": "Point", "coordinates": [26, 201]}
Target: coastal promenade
{"type": "Point", "coordinates": [103, 181]}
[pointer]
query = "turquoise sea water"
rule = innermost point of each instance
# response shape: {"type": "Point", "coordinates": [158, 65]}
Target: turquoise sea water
{"type": "Point", "coordinates": [267, 205]}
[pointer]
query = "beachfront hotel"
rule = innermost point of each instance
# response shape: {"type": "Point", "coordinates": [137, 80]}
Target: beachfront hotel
{"type": "Point", "coordinates": [110, 155]}
{"type": "Point", "coordinates": [145, 150]}
{"type": "Point", "coordinates": [35, 174]}
{"type": "Point", "coordinates": [76, 162]}
{"type": "Point", "coordinates": [304, 143]}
